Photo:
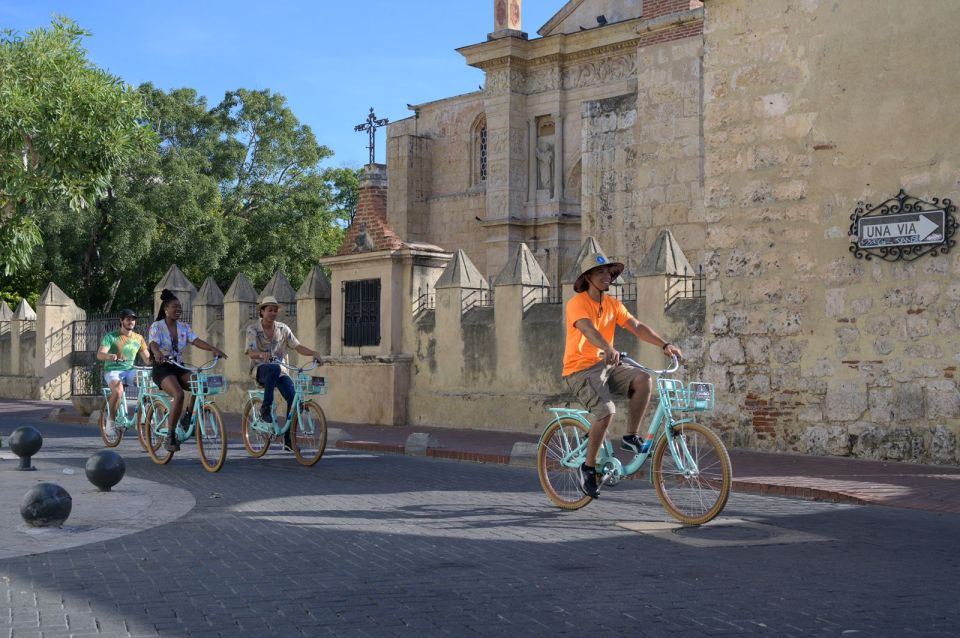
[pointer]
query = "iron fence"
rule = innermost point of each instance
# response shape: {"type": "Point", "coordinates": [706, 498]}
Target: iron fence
{"type": "Point", "coordinates": [477, 298]}
{"type": "Point", "coordinates": [685, 286]}
{"type": "Point", "coordinates": [426, 300]}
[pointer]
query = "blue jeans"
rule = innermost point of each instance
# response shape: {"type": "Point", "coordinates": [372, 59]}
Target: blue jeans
{"type": "Point", "coordinates": [270, 377]}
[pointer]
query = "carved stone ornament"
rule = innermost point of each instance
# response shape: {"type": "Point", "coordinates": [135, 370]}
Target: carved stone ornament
{"type": "Point", "coordinates": [903, 228]}
{"type": "Point", "coordinates": [612, 69]}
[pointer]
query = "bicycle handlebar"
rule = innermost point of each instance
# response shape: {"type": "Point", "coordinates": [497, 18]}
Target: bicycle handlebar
{"type": "Point", "coordinates": [205, 366]}
{"type": "Point", "coordinates": [298, 368]}
{"type": "Point", "coordinates": [625, 358]}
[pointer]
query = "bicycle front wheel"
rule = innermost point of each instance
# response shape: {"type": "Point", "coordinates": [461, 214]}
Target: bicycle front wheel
{"type": "Point", "coordinates": [255, 440]}
{"type": "Point", "coordinates": [308, 433]}
{"type": "Point", "coordinates": [142, 434]}
{"type": "Point", "coordinates": [695, 490]}
{"type": "Point", "coordinates": [211, 439]}
{"type": "Point", "coordinates": [155, 425]}
{"type": "Point", "coordinates": [110, 440]}
{"type": "Point", "coordinates": [555, 455]}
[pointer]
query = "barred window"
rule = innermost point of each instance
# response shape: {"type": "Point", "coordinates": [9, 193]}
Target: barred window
{"type": "Point", "coordinates": [479, 163]}
{"type": "Point", "coordinates": [361, 313]}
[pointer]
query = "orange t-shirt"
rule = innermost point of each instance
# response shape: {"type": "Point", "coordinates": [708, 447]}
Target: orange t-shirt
{"type": "Point", "coordinates": [580, 354]}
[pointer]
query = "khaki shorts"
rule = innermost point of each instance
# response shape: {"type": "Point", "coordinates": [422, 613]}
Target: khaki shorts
{"type": "Point", "coordinates": [597, 396]}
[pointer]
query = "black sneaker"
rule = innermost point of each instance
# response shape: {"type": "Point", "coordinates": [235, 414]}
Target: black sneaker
{"type": "Point", "coordinates": [587, 480]}
{"type": "Point", "coordinates": [170, 443]}
{"type": "Point", "coordinates": [631, 443]}
{"type": "Point", "coordinates": [265, 416]}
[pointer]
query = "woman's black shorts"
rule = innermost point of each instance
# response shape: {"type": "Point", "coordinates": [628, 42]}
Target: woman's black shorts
{"type": "Point", "coordinates": [164, 370]}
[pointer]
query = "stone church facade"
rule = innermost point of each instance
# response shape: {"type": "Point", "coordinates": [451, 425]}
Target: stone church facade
{"type": "Point", "coordinates": [751, 131]}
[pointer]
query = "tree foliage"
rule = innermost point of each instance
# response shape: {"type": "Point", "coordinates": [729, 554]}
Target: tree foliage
{"type": "Point", "coordinates": [66, 127]}
{"type": "Point", "coordinates": [232, 188]}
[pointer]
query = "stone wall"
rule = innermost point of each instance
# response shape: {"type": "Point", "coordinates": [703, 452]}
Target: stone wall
{"type": "Point", "coordinates": [816, 351]}
{"type": "Point", "coordinates": [497, 365]}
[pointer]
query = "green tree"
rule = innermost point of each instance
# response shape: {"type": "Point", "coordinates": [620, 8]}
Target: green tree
{"type": "Point", "coordinates": [66, 127]}
{"type": "Point", "coordinates": [234, 188]}
{"type": "Point", "coordinates": [279, 205]}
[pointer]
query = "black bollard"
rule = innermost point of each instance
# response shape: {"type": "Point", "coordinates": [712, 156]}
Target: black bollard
{"type": "Point", "coordinates": [25, 442]}
{"type": "Point", "coordinates": [105, 469]}
{"type": "Point", "coordinates": [46, 505]}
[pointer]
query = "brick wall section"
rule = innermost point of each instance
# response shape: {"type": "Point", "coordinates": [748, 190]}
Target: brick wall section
{"type": "Point", "coordinates": [668, 35]}
{"type": "Point", "coordinates": [657, 8]}
{"type": "Point", "coordinates": [371, 217]}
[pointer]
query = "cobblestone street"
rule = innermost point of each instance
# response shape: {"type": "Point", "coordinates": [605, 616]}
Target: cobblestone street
{"type": "Point", "coordinates": [364, 544]}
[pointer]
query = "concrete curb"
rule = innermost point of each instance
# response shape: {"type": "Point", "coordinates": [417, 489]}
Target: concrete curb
{"type": "Point", "coordinates": [419, 443]}
{"type": "Point", "coordinates": [524, 454]}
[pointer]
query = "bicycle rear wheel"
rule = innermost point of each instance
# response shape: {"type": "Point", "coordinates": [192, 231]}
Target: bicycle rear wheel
{"type": "Point", "coordinates": [211, 438]}
{"type": "Point", "coordinates": [155, 421]}
{"type": "Point", "coordinates": [308, 434]}
{"type": "Point", "coordinates": [695, 490]}
{"type": "Point", "coordinates": [108, 439]}
{"type": "Point", "coordinates": [560, 481]}
{"type": "Point", "coordinates": [255, 440]}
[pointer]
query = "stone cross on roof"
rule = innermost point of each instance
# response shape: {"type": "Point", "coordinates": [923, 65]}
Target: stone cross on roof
{"type": "Point", "coordinates": [371, 126]}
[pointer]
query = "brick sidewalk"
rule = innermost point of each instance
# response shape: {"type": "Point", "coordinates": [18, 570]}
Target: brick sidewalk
{"type": "Point", "coordinates": [933, 488]}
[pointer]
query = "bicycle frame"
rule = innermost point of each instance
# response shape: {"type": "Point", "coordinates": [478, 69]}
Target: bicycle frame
{"type": "Point", "coordinates": [200, 399]}
{"type": "Point", "coordinates": [661, 425]}
{"type": "Point", "coordinates": [274, 428]}
{"type": "Point", "coordinates": [123, 417]}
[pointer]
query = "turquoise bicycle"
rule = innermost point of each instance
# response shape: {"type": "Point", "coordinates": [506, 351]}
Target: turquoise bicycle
{"type": "Point", "coordinates": [123, 420]}
{"type": "Point", "coordinates": [691, 467]}
{"type": "Point", "coordinates": [306, 423]}
{"type": "Point", "coordinates": [205, 421]}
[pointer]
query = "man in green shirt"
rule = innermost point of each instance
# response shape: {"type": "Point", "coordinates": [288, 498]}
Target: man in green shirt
{"type": "Point", "coordinates": [119, 349]}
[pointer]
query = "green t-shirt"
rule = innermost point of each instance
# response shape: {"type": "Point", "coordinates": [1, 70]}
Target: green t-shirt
{"type": "Point", "coordinates": [126, 346]}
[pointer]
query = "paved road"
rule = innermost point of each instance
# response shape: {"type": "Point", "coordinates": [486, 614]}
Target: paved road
{"type": "Point", "coordinates": [369, 545]}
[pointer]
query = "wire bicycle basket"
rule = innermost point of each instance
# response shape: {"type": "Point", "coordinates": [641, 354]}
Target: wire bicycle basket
{"type": "Point", "coordinates": [307, 384]}
{"type": "Point", "coordinates": [697, 396]}
{"type": "Point", "coordinates": [207, 384]}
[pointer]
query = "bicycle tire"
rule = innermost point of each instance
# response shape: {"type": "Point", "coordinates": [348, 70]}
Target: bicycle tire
{"type": "Point", "coordinates": [157, 415]}
{"type": "Point", "coordinates": [109, 441]}
{"type": "Point", "coordinates": [141, 412]}
{"type": "Point", "coordinates": [309, 439]}
{"type": "Point", "coordinates": [211, 438]}
{"type": "Point", "coordinates": [256, 441]}
{"type": "Point", "coordinates": [559, 482]}
{"type": "Point", "coordinates": [692, 499]}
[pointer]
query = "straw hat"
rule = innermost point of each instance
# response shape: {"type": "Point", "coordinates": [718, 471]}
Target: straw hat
{"type": "Point", "coordinates": [269, 300]}
{"type": "Point", "coordinates": [595, 260]}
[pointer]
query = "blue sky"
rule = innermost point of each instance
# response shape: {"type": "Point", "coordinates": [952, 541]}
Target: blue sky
{"type": "Point", "coordinates": [332, 60]}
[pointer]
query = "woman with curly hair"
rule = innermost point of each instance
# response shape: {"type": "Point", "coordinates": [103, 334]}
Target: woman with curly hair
{"type": "Point", "coordinates": [169, 337]}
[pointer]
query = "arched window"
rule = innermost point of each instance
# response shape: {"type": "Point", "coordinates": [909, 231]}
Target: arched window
{"type": "Point", "coordinates": [478, 171]}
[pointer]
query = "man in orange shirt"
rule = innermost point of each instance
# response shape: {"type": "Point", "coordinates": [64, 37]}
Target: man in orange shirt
{"type": "Point", "coordinates": [591, 363]}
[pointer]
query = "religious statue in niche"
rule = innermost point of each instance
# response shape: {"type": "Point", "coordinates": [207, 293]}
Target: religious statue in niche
{"type": "Point", "coordinates": [545, 155]}
{"type": "Point", "coordinates": [545, 167]}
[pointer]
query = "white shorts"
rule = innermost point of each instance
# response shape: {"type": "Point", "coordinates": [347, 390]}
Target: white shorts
{"type": "Point", "coordinates": [129, 377]}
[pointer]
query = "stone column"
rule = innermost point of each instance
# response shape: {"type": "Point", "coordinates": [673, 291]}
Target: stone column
{"type": "Point", "coordinates": [239, 310]}
{"type": "Point", "coordinates": [516, 288]}
{"type": "Point", "coordinates": [279, 287]}
{"type": "Point", "coordinates": [507, 19]}
{"type": "Point", "coordinates": [532, 163]}
{"type": "Point", "coordinates": [54, 345]}
{"type": "Point", "coordinates": [557, 158]}
{"type": "Point", "coordinates": [460, 282]}
{"type": "Point", "coordinates": [177, 283]}
{"type": "Point", "coordinates": [207, 320]}
{"type": "Point", "coordinates": [313, 312]}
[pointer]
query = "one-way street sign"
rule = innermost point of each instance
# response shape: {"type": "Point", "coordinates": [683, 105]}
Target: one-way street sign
{"type": "Point", "coordinates": [907, 229]}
